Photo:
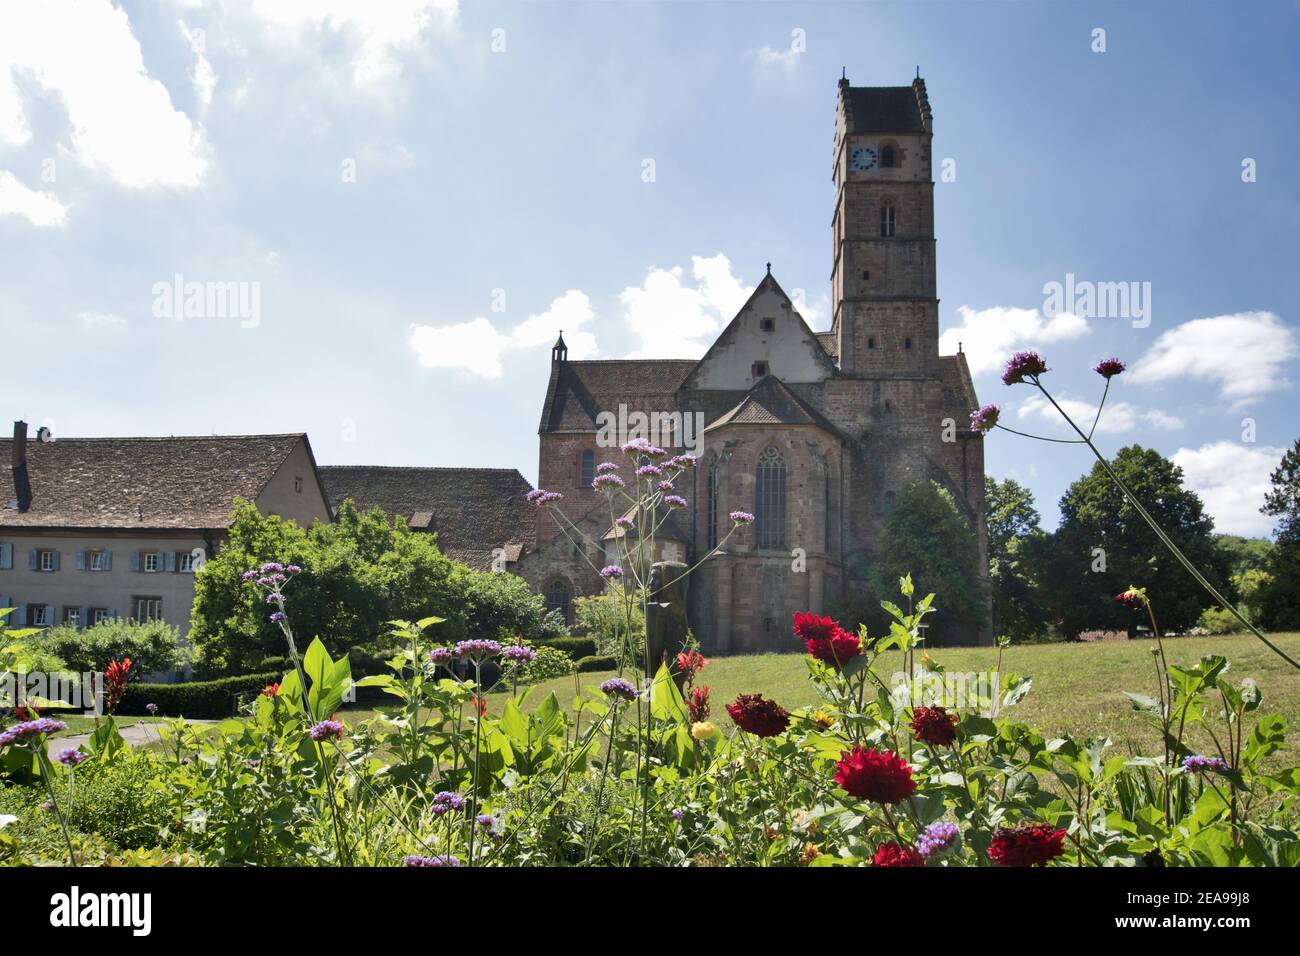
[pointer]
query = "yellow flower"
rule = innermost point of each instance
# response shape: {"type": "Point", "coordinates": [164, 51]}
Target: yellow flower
{"type": "Point", "coordinates": [822, 720]}
{"type": "Point", "coordinates": [703, 730]}
{"type": "Point", "coordinates": [925, 659]}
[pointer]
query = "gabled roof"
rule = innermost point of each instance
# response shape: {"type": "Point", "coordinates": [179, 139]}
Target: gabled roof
{"type": "Point", "coordinates": [771, 402]}
{"type": "Point", "coordinates": [768, 284]}
{"type": "Point", "coordinates": [141, 484]}
{"type": "Point", "coordinates": [579, 391]}
{"type": "Point", "coordinates": [884, 109]}
{"type": "Point", "coordinates": [473, 510]}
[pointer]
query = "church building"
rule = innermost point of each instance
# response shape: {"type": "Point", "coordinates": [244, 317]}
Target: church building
{"type": "Point", "coordinates": [812, 432]}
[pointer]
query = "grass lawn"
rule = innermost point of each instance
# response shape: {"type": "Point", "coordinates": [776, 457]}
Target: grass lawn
{"type": "Point", "coordinates": [1077, 688]}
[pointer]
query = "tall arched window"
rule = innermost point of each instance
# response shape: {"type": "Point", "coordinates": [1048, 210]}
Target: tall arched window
{"type": "Point", "coordinates": [713, 504]}
{"type": "Point", "coordinates": [769, 502]}
{"type": "Point", "coordinates": [559, 597]}
{"type": "Point", "coordinates": [588, 468]}
{"type": "Point", "coordinates": [887, 221]}
{"type": "Point", "coordinates": [887, 158]}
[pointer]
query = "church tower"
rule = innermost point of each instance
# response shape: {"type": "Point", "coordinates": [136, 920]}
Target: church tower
{"type": "Point", "coordinates": [885, 313]}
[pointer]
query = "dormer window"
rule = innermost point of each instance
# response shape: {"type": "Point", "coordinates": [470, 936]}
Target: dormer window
{"type": "Point", "coordinates": [759, 370]}
{"type": "Point", "coordinates": [767, 325]}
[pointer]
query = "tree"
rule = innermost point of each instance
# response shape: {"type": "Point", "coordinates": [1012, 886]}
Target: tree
{"type": "Point", "coordinates": [1246, 554]}
{"type": "Point", "coordinates": [1278, 599]}
{"type": "Point", "coordinates": [1283, 499]}
{"type": "Point", "coordinates": [1012, 523]}
{"type": "Point", "coordinates": [926, 535]}
{"type": "Point", "coordinates": [1103, 546]}
{"type": "Point", "coordinates": [359, 573]}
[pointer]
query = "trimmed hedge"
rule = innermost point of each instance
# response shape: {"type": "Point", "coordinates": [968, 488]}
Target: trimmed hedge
{"type": "Point", "coordinates": [202, 700]}
{"type": "Point", "coordinates": [597, 663]}
{"type": "Point", "coordinates": [576, 647]}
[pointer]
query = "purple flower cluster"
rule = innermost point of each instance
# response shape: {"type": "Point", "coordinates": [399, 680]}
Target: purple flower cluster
{"type": "Point", "coordinates": [488, 823]}
{"type": "Point", "coordinates": [625, 523]}
{"type": "Point", "coordinates": [984, 418]}
{"type": "Point", "coordinates": [678, 813]}
{"type": "Point", "coordinates": [21, 733]}
{"type": "Point", "coordinates": [1109, 368]}
{"type": "Point", "coordinates": [1022, 365]}
{"type": "Point", "coordinates": [152, 708]}
{"type": "Point", "coordinates": [742, 517]}
{"type": "Point", "coordinates": [327, 729]}
{"type": "Point", "coordinates": [646, 471]}
{"type": "Point", "coordinates": [675, 501]}
{"type": "Point", "coordinates": [519, 654]}
{"type": "Point", "coordinates": [279, 617]}
{"type": "Point", "coordinates": [1199, 763]}
{"type": "Point", "coordinates": [682, 461]}
{"type": "Point", "coordinates": [607, 482]}
{"type": "Point", "coordinates": [665, 486]}
{"type": "Point", "coordinates": [414, 860]}
{"type": "Point", "coordinates": [446, 800]}
{"type": "Point", "coordinates": [639, 446]}
{"type": "Point", "coordinates": [442, 656]}
{"type": "Point", "coordinates": [70, 757]}
{"type": "Point", "coordinates": [619, 687]}
{"type": "Point", "coordinates": [611, 571]}
{"type": "Point", "coordinates": [606, 468]}
{"type": "Point", "coordinates": [937, 837]}
{"type": "Point", "coordinates": [478, 649]}
{"type": "Point", "coordinates": [542, 498]}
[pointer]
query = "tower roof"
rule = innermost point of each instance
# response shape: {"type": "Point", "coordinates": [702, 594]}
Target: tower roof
{"type": "Point", "coordinates": [883, 109]}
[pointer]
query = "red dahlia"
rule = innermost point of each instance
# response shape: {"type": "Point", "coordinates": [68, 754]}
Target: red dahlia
{"type": "Point", "coordinates": [877, 775]}
{"type": "Point", "coordinates": [934, 725]}
{"type": "Point", "coordinates": [1031, 844]}
{"type": "Point", "coordinates": [760, 716]}
{"type": "Point", "coordinates": [891, 854]}
{"type": "Point", "coordinates": [826, 640]}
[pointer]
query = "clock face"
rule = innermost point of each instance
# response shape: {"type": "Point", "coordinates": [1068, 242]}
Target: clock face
{"type": "Point", "coordinates": [862, 157]}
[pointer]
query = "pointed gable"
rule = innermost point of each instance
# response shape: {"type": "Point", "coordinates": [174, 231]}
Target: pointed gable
{"type": "Point", "coordinates": [770, 402]}
{"type": "Point", "coordinates": [768, 329]}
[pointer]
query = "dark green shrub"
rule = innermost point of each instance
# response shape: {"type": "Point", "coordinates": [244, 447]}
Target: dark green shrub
{"type": "Point", "coordinates": [576, 647]}
{"type": "Point", "coordinates": [209, 699]}
{"type": "Point", "coordinates": [152, 646]}
{"type": "Point", "coordinates": [597, 663]}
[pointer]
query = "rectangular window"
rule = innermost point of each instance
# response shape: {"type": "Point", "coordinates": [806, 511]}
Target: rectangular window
{"type": "Point", "coordinates": [47, 561]}
{"type": "Point", "coordinates": [151, 562]}
{"type": "Point", "coordinates": [185, 562]}
{"type": "Point", "coordinates": [72, 616]}
{"type": "Point", "coordinates": [41, 615]}
{"type": "Point", "coordinates": [96, 560]}
{"type": "Point", "coordinates": [148, 608]}
{"type": "Point", "coordinates": [887, 222]}
{"type": "Point", "coordinates": [758, 369]}
{"type": "Point", "coordinates": [98, 615]}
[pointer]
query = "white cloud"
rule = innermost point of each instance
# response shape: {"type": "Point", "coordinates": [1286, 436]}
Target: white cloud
{"type": "Point", "coordinates": [477, 347]}
{"type": "Point", "coordinates": [121, 120]}
{"type": "Point", "coordinates": [671, 319]}
{"type": "Point", "coordinates": [989, 336]}
{"type": "Point", "coordinates": [1242, 353]}
{"type": "Point", "coordinates": [41, 209]}
{"type": "Point", "coordinates": [1232, 480]}
{"type": "Point", "coordinates": [1116, 417]}
{"type": "Point", "coordinates": [787, 60]}
{"type": "Point", "coordinates": [100, 319]}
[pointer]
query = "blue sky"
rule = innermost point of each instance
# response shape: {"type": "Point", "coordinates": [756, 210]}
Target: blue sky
{"type": "Point", "coordinates": [419, 195]}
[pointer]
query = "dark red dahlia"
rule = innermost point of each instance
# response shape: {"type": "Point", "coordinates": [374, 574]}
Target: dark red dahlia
{"type": "Point", "coordinates": [891, 854]}
{"type": "Point", "coordinates": [826, 640]}
{"type": "Point", "coordinates": [760, 716]}
{"type": "Point", "coordinates": [1131, 599]}
{"type": "Point", "coordinates": [934, 725]}
{"type": "Point", "coordinates": [1023, 365]}
{"type": "Point", "coordinates": [1030, 844]}
{"type": "Point", "coordinates": [881, 776]}
{"type": "Point", "coordinates": [1109, 368]}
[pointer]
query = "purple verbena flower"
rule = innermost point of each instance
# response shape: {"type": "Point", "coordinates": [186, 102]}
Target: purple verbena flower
{"type": "Point", "coordinates": [22, 733]}
{"type": "Point", "coordinates": [152, 708]}
{"type": "Point", "coordinates": [1109, 368]}
{"type": "Point", "coordinates": [327, 729]}
{"type": "Point", "coordinates": [279, 617]}
{"type": "Point", "coordinates": [1199, 763]}
{"type": "Point", "coordinates": [70, 757]}
{"type": "Point", "coordinates": [742, 517]}
{"type": "Point", "coordinates": [938, 836]}
{"type": "Point", "coordinates": [984, 418]}
{"type": "Point", "coordinates": [664, 485]}
{"type": "Point", "coordinates": [678, 813]}
{"type": "Point", "coordinates": [478, 649]}
{"type": "Point", "coordinates": [626, 523]}
{"type": "Point", "coordinates": [619, 687]}
{"type": "Point", "coordinates": [1022, 365]}
{"type": "Point", "coordinates": [441, 656]}
{"type": "Point", "coordinates": [639, 446]}
{"type": "Point", "coordinates": [675, 501]}
{"type": "Point", "coordinates": [607, 482]}
{"type": "Point", "coordinates": [446, 860]}
{"type": "Point", "coordinates": [646, 471]}
{"type": "Point", "coordinates": [449, 799]}
{"type": "Point", "coordinates": [519, 654]}
{"type": "Point", "coordinates": [682, 461]}
{"type": "Point", "coordinates": [542, 498]}
{"type": "Point", "coordinates": [611, 571]}
{"type": "Point", "coordinates": [606, 468]}
{"type": "Point", "coordinates": [249, 575]}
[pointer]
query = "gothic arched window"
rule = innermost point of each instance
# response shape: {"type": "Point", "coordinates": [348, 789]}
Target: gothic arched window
{"type": "Point", "coordinates": [588, 468]}
{"type": "Point", "coordinates": [559, 597]}
{"type": "Point", "coordinates": [713, 504]}
{"type": "Point", "coordinates": [887, 158]}
{"type": "Point", "coordinates": [769, 502]}
{"type": "Point", "coordinates": [887, 221]}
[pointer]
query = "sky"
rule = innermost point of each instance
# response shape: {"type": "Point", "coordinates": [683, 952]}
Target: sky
{"type": "Point", "coordinates": [367, 221]}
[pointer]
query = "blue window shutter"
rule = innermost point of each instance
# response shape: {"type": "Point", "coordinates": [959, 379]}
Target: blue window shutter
{"type": "Point", "coordinates": [21, 615]}
{"type": "Point", "coordinates": [170, 559]}
{"type": "Point", "coordinates": [83, 617]}
{"type": "Point", "coordinates": [4, 602]}
{"type": "Point", "coordinates": [31, 560]}
{"type": "Point", "coordinates": [108, 560]}
{"type": "Point", "coordinates": [56, 560]}
{"type": "Point", "coordinates": [135, 560]}
{"type": "Point", "coordinates": [6, 556]}
{"type": "Point", "coordinates": [81, 560]}
{"type": "Point", "coordinates": [112, 614]}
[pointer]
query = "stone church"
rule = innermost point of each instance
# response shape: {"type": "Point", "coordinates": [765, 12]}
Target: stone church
{"type": "Point", "coordinates": [812, 432]}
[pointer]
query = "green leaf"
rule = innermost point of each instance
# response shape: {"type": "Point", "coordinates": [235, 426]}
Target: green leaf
{"type": "Point", "coordinates": [106, 743]}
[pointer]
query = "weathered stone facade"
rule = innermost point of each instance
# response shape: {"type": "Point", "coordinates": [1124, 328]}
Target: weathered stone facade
{"type": "Point", "coordinates": [846, 416]}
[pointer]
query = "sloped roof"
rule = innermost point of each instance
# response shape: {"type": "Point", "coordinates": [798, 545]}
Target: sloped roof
{"type": "Point", "coordinates": [472, 510]}
{"type": "Point", "coordinates": [959, 396]}
{"type": "Point", "coordinates": [140, 483]}
{"type": "Point", "coordinates": [771, 402]}
{"type": "Point", "coordinates": [579, 391]}
{"type": "Point", "coordinates": [884, 109]}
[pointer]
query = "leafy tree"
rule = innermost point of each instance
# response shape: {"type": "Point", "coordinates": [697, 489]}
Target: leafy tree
{"type": "Point", "coordinates": [1246, 554]}
{"type": "Point", "coordinates": [1103, 546]}
{"type": "Point", "coordinates": [1279, 597]}
{"type": "Point", "coordinates": [1283, 500]}
{"type": "Point", "coordinates": [925, 534]}
{"type": "Point", "coordinates": [359, 573]}
{"type": "Point", "coordinates": [1012, 523]}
